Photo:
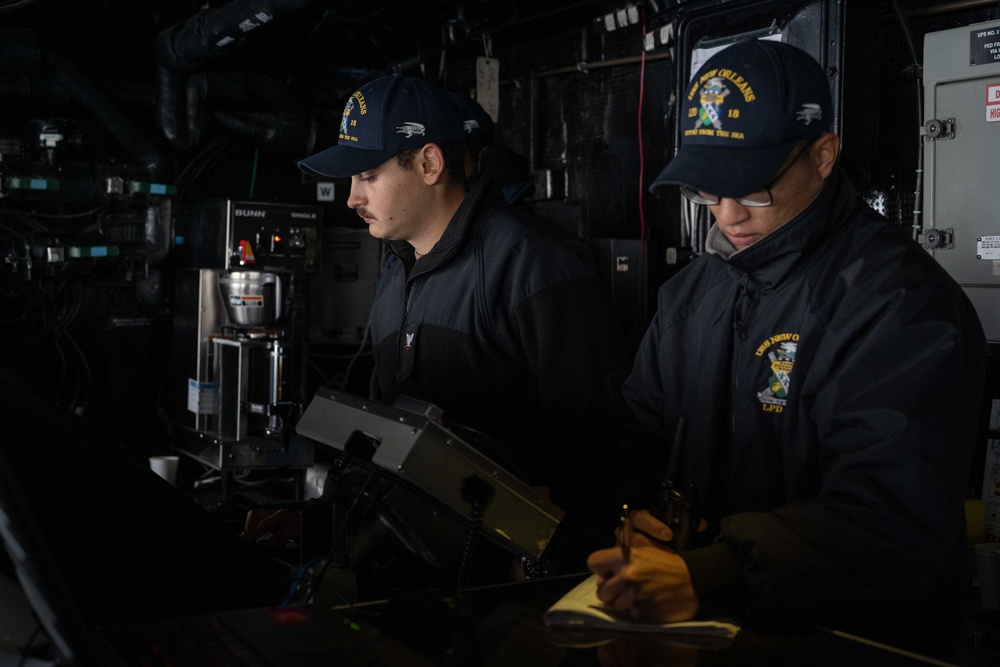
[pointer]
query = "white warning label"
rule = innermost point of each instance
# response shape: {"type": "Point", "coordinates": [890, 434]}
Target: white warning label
{"type": "Point", "coordinates": [988, 247]}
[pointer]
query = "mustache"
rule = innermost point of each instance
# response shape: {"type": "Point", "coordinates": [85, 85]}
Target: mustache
{"type": "Point", "coordinates": [363, 212]}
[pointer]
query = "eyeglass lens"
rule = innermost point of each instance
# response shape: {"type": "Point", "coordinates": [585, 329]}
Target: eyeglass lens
{"type": "Point", "coordinates": [760, 197]}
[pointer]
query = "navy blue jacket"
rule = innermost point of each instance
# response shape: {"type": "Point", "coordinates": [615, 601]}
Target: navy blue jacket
{"type": "Point", "coordinates": [831, 377]}
{"type": "Point", "coordinates": [507, 326]}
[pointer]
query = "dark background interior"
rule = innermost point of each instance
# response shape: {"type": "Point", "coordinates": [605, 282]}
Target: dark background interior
{"type": "Point", "coordinates": [146, 93]}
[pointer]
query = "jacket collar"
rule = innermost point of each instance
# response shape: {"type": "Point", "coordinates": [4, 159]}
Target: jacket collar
{"type": "Point", "coordinates": [790, 248]}
{"type": "Point", "coordinates": [454, 235]}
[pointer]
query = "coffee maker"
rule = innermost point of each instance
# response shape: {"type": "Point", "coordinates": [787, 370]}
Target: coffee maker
{"type": "Point", "coordinates": [240, 334]}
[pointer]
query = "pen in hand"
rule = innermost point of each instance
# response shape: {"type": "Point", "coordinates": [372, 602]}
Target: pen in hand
{"type": "Point", "coordinates": [625, 534]}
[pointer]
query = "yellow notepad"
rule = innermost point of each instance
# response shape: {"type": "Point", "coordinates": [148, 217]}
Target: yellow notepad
{"type": "Point", "coordinates": [580, 609]}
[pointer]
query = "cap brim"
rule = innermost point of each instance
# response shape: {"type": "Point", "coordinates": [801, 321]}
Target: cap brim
{"type": "Point", "coordinates": [342, 161]}
{"type": "Point", "coordinates": [723, 171]}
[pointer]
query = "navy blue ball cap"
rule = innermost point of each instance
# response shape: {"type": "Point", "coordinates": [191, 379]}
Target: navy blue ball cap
{"type": "Point", "coordinates": [384, 117]}
{"type": "Point", "coordinates": [476, 123]}
{"type": "Point", "coordinates": [742, 114]}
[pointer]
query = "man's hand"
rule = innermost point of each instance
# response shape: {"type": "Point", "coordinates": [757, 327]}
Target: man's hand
{"type": "Point", "coordinates": [648, 531]}
{"type": "Point", "coordinates": [284, 526]}
{"type": "Point", "coordinates": [654, 584]}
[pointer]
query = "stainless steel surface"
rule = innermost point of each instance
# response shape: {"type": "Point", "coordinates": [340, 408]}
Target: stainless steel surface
{"type": "Point", "coordinates": [248, 235]}
{"type": "Point", "coordinates": [252, 298]}
{"type": "Point", "coordinates": [198, 314]}
{"type": "Point", "coordinates": [416, 447]}
{"type": "Point", "coordinates": [248, 372]}
{"type": "Point", "coordinates": [237, 344]}
{"type": "Point", "coordinates": [249, 454]}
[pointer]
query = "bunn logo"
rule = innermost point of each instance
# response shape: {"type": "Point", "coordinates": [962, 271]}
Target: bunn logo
{"type": "Point", "coordinates": [250, 213]}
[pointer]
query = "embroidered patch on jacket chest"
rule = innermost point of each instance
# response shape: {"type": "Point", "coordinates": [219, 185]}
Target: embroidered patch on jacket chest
{"type": "Point", "coordinates": [780, 352]}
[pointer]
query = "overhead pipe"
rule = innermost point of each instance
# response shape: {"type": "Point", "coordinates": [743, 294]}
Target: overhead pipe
{"type": "Point", "coordinates": [175, 98]}
{"type": "Point", "coordinates": [184, 48]}
{"type": "Point", "coordinates": [294, 133]}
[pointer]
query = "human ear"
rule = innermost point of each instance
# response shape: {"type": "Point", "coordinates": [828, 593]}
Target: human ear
{"type": "Point", "coordinates": [824, 153]}
{"type": "Point", "coordinates": [431, 163]}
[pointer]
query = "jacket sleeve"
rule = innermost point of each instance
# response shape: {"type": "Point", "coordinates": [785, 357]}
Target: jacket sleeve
{"type": "Point", "coordinates": [574, 345]}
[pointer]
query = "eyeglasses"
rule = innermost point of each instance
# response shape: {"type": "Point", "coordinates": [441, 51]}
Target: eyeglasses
{"type": "Point", "coordinates": [758, 199]}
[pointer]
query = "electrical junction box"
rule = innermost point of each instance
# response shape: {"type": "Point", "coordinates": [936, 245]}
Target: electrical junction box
{"type": "Point", "coordinates": [961, 139]}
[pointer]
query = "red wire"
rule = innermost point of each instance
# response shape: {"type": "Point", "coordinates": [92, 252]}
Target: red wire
{"type": "Point", "coordinates": [642, 216]}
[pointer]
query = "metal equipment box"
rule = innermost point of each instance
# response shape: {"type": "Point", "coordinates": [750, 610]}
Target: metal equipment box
{"type": "Point", "coordinates": [961, 136]}
{"type": "Point", "coordinates": [249, 236]}
{"type": "Point", "coordinates": [415, 447]}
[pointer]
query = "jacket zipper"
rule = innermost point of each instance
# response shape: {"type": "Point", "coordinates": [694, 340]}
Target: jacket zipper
{"type": "Point", "coordinates": [401, 333]}
{"type": "Point", "coordinates": [726, 458]}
